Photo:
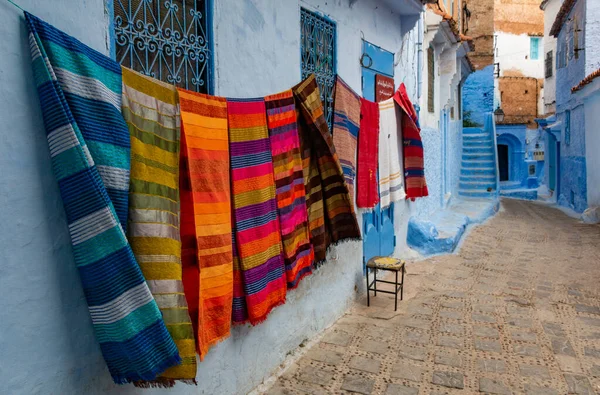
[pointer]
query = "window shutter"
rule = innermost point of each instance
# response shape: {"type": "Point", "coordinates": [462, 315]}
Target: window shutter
{"type": "Point", "coordinates": [431, 79]}
{"type": "Point", "coordinates": [548, 65]}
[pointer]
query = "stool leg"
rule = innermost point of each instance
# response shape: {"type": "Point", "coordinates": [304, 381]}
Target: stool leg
{"type": "Point", "coordinates": [375, 281]}
{"type": "Point", "coordinates": [368, 301]}
{"type": "Point", "coordinates": [396, 293]}
{"type": "Point", "coordinates": [402, 289]}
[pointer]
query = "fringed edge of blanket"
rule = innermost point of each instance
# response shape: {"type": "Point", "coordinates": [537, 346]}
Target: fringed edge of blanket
{"type": "Point", "coordinates": [163, 382]}
{"type": "Point", "coordinates": [264, 317]}
{"type": "Point", "coordinates": [299, 280]}
{"type": "Point", "coordinates": [172, 361]}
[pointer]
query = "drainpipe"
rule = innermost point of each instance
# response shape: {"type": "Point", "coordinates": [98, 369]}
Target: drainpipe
{"type": "Point", "coordinates": [420, 57]}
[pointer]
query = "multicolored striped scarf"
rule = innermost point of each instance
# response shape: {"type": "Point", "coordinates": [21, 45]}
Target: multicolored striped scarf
{"type": "Point", "coordinates": [151, 111]}
{"type": "Point", "coordinates": [257, 233]}
{"type": "Point", "coordinates": [206, 217]}
{"type": "Point", "coordinates": [368, 154]}
{"type": "Point", "coordinates": [291, 197]}
{"type": "Point", "coordinates": [346, 122]}
{"type": "Point", "coordinates": [414, 168]}
{"type": "Point", "coordinates": [391, 181]}
{"type": "Point", "coordinates": [80, 95]}
{"type": "Point", "coordinates": [330, 210]}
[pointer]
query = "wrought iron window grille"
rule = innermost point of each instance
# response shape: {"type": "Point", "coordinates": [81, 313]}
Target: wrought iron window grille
{"type": "Point", "coordinates": [169, 40]}
{"type": "Point", "coordinates": [318, 55]}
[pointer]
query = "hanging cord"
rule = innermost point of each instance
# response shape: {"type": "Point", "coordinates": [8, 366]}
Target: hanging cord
{"type": "Point", "coordinates": [16, 5]}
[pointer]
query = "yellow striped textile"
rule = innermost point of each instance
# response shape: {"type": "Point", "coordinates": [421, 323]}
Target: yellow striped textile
{"type": "Point", "coordinates": [151, 110]}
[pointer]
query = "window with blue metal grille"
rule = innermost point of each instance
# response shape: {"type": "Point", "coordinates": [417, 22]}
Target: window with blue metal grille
{"type": "Point", "coordinates": [568, 127]}
{"type": "Point", "coordinates": [318, 55]}
{"type": "Point", "coordinates": [169, 40]}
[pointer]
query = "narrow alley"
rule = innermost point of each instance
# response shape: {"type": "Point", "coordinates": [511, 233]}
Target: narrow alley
{"type": "Point", "coordinates": [516, 310]}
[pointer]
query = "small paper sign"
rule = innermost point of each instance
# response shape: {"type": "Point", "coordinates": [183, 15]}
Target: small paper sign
{"type": "Point", "coordinates": [384, 87]}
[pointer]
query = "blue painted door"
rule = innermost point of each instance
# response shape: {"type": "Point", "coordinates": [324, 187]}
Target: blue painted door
{"type": "Point", "coordinates": [378, 226]}
{"type": "Point", "coordinates": [552, 164]}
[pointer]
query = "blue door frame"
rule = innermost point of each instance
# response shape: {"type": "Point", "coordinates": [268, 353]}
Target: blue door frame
{"type": "Point", "coordinates": [378, 225]}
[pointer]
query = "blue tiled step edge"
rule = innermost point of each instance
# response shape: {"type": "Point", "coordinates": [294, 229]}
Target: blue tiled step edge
{"type": "Point", "coordinates": [442, 232]}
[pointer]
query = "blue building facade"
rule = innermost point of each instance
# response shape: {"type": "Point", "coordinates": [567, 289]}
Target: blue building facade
{"type": "Point", "coordinates": [518, 165]}
{"type": "Point", "coordinates": [567, 146]}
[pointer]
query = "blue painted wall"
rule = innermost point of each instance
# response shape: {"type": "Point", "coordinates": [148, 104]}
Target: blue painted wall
{"type": "Point", "coordinates": [573, 183]}
{"type": "Point", "coordinates": [478, 94]}
{"type": "Point", "coordinates": [514, 137]}
{"type": "Point", "coordinates": [521, 143]}
{"type": "Point", "coordinates": [47, 344]}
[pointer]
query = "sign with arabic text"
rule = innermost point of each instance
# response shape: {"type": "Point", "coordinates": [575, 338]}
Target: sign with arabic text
{"type": "Point", "coordinates": [384, 87]}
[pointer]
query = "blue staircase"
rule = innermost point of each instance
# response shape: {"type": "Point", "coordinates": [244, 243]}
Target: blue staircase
{"type": "Point", "coordinates": [478, 168]}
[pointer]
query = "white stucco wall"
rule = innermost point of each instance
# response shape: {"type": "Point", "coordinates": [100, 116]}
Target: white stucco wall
{"type": "Point", "coordinates": [549, 95]}
{"type": "Point", "coordinates": [513, 54]}
{"type": "Point", "coordinates": [592, 32]}
{"type": "Point", "coordinates": [591, 97]}
{"type": "Point", "coordinates": [46, 336]}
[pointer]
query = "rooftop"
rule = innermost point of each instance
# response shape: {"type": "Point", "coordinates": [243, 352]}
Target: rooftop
{"type": "Point", "coordinates": [587, 80]}
{"type": "Point", "coordinates": [562, 16]}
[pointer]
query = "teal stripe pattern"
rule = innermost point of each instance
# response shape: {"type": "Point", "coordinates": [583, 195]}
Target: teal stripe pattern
{"type": "Point", "coordinates": [80, 96]}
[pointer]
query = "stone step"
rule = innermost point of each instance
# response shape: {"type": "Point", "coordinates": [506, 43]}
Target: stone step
{"type": "Point", "coordinates": [472, 131]}
{"type": "Point", "coordinates": [466, 185]}
{"type": "Point", "coordinates": [478, 143]}
{"type": "Point", "coordinates": [507, 185]}
{"type": "Point", "coordinates": [478, 150]}
{"type": "Point", "coordinates": [475, 193]}
{"type": "Point", "coordinates": [475, 136]}
{"type": "Point", "coordinates": [478, 171]}
{"type": "Point", "coordinates": [526, 194]}
{"type": "Point", "coordinates": [479, 178]}
{"type": "Point", "coordinates": [478, 156]}
{"type": "Point", "coordinates": [482, 164]}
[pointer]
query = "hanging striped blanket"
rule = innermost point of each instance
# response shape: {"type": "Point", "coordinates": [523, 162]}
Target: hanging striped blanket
{"type": "Point", "coordinates": [80, 95]}
{"type": "Point", "coordinates": [330, 210]}
{"type": "Point", "coordinates": [257, 233]}
{"type": "Point", "coordinates": [391, 181]}
{"type": "Point", "coordinates": [289, 181]}
{"type": "Point", "coordinates": [151, 111]}
{"type": "Point", "coordinates": [368, 143]}
{"type": "Point", "coordinates": [346, 121]}
{"type": "Point", "coordinates": [414, 167]}
{"type": "Point", "coordinates": [206, 217]}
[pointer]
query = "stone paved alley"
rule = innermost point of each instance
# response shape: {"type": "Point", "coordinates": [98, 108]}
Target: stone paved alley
{"type": "Point", "coordinates": [517, 310]}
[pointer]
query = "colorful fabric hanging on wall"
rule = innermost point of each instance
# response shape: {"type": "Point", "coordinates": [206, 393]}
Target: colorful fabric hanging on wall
{"type": "Point", "coordinates": [206, 229]}
{"type": "Point", "coordinates": [151, 110]}
{"type": "Point", "coordinates": [414, 167]}
{"type": "Point", "coordinates": [330, 210]}
{"type": "Point", "coordinates": [368, 154]}
{"type": "Point", "coordinates": [391, 180]}
{"type": "Point", "coordinates": [80, 95]}
{"type": "Point", "coordinates": [256, 224]}
{"type": "Point", "coordinates": [346, 122]}
{"type": "Point", "coordinates": [289, 181]}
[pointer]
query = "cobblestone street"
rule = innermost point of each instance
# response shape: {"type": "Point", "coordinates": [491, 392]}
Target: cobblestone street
{"type": "Point", "coordinates": [516, 311]}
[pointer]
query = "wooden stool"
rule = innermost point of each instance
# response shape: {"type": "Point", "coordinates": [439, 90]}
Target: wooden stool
{"type": "Point", "coordinates": [389, 264]}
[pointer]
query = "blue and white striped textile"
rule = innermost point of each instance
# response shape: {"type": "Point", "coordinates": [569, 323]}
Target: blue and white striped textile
{"type": "Point", "coordinates": [80, 95]}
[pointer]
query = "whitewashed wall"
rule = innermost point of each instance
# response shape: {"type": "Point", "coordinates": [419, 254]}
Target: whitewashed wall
{"type": "Point", "coordinates": [549, 95]}
{"type": "Point", "coordinates": [513, 54]}
{"type": "Point", "coordinates": [591, 99]}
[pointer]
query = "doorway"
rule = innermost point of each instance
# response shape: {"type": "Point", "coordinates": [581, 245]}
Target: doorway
{"type": "Point", "coordinates": [379, 238]}
{"type": "Point", "coordinates": [503, 162]}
